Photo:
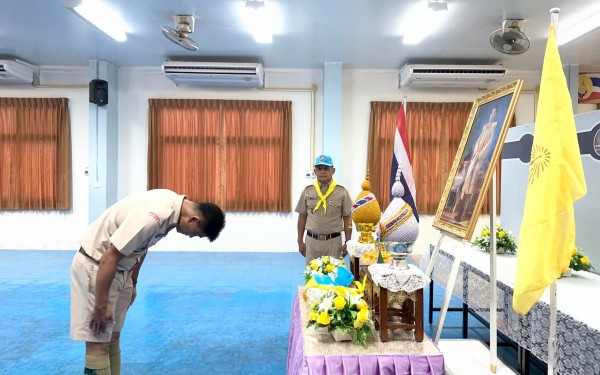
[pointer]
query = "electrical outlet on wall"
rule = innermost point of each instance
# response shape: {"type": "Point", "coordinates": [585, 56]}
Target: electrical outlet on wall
{"type": "Point", "coordinates": [310, 174]}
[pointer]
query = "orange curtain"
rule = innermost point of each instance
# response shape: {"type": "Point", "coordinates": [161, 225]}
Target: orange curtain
{"type": "Point", "coordinates": [35, 154]}
{"type": "Point", "coordinates": [434, 133]}
{"type": "Point", "coordinates": [258, 155]}
{"type": "Point", "coordinates": [182, 152]}
{"type": "Point", "coordinates": [236, 153]}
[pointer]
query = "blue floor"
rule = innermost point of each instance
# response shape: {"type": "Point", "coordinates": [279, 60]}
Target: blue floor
{"type": "Point", "coordinates": [196, 313]}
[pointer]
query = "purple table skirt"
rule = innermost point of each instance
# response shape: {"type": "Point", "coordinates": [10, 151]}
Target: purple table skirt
{"type": "Point", "coordinates": [369, 363]}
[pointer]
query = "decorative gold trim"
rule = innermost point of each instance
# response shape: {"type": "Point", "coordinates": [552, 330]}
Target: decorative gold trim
{"type": "Point", "coordinates": [366, 230]}
{"type": "Point", "coordinates": [464, 228]}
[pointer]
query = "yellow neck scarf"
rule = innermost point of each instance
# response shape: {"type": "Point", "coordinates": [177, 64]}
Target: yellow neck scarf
{"type": "Point", "coordinates": [323, 198]}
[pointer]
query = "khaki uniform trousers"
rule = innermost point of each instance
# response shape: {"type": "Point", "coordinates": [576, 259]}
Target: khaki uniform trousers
{"type": "Point", "coordinates": [316, 248]}
{"type": "Point", "coordinates": [83, 296]}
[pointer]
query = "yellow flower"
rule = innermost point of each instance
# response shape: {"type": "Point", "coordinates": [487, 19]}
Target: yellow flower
{"type": "Point", "coordinates": [501, 234]}
{"type": "Point", "coordinates": [485, 232]}
{"type": "Point", "coordinates": [358, 323]}
{"type": "Point", "coordinates": [363, 315]}
{"type": "Point", "coordinates": [313, 315]}
{"type": "Point", "coordinates": [329, 268]}
{"type": "Point", "coordinates": [339, 302]}
{"type": "Point", "coordinates": [326, 259]}
{"type": "Point", "coordinates": [361, 304]}
{"type": "Point", "coordinates": [575, 251]}
{"type": "Point", "coordinates": [340, 290]}
{"type": "Point", "coordinates": [585, 260]}
{"type": "Point", "coordinates": [361, 286]}
{"type": "Point", "coordinates": [314, 266]}
{"type": "Point", "coordinates": [323, 318]}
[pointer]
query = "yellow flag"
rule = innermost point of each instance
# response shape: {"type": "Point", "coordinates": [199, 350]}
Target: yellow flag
{"type": "Point", "coordinates": [556, 180]}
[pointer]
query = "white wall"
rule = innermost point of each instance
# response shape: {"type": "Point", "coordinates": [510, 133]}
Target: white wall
{"type": "Point", "coordinates": [52, 229]}
{"type": "Point", "coordinates": [244, 231]}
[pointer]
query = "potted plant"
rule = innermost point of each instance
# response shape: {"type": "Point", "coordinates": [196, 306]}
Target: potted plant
{"type": "Point", "coordinates": [322, 266]}
{"type": "Point", "coordinates": [344, 312]}
{"type": "Point", "coordinates": [505, 240]}
{"type": "Point", "coordinates": [579, 262]}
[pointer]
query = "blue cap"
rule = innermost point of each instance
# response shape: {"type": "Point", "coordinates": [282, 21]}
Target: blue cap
{"type": "Point", "coordinates": [324, 160]}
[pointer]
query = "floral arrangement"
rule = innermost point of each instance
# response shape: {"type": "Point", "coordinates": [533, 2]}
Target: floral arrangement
{"type": "Point", "coordinates": [580, 261]}
{"type": "Point", "coordinates": [504, 239]}
{"type": "Point", "coordinates": [370, 257]}
{"type": "Point", "coordinates": [322, 265]}
{"type": "Point", "coordinates": [343, 309]}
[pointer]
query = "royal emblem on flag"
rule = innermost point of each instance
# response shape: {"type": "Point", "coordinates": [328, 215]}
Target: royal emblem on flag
{"type": "Point", "coordinates": [589, 88]}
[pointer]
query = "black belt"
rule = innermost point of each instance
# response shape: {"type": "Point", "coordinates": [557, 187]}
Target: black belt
{"type": "Point", "coordinates": [92, 259]}
{"type": "Point", "coordinates": [88, 256]}
{"type": "Point", "coordinates": [322, 237]}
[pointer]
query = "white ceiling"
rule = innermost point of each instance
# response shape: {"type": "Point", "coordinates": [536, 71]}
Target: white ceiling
{"type": "Point", "coordinates": [362, 34]}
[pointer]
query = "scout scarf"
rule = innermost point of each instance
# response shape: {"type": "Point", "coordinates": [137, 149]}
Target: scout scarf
{"type": "Point", "coordinates": [323, 198]}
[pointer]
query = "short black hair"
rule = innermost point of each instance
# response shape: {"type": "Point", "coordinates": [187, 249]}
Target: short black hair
{"type": "Point", "coordinates": [215, 219]}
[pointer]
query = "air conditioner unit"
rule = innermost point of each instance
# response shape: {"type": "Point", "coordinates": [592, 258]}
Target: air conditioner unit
{"type": "Point", "coordinates": [187, 73]}
{"type": "Point", "coordinates": [476, 76]}
{"type": "Point", "coordinates": [17, 71]}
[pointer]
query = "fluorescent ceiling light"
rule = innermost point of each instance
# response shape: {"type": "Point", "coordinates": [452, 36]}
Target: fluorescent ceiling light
{"type": "Point", "coordinates": [422, 20]}
{"type": "Point", "coordinates": [579, 26]}
{"type": "Point", "coordinates": [259, 18]}
{"type": "Point", "coordinates": [99, 15]}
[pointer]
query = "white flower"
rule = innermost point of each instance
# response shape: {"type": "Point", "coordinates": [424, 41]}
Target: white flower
{"type": "Point", "coordinates": [314, 295]}
{"type": "Point", "coordinates": [354, 298]}
{"type": "Point", "coordinates": [327, 303]}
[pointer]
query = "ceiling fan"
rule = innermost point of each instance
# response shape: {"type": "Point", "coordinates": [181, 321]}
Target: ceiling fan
{"type": "Point", "coordinates": [510, 39]}
{"type": "Point", "coordinates": [184, 26]}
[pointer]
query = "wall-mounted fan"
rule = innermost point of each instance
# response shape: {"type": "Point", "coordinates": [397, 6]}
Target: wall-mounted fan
{"type": "Point", "coordinates": [180, 35]}
{"type": "Point", "coordinates": [510, 39]}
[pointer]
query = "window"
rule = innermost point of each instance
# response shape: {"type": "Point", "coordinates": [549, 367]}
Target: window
{"type": "Point", "coordinates": [35, 154]}
{"type": "Point", "coordinates": [235, 153]}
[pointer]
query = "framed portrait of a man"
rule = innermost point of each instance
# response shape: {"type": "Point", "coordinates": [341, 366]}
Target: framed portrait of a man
{"type": "Point", "coordinates": [475, 160]}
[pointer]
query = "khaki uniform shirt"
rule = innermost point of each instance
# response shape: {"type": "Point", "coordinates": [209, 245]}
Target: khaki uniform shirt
{"type": "Point", "coordinates": [133, 224]}
{"type": "Point", "coordinates": [339, 204]}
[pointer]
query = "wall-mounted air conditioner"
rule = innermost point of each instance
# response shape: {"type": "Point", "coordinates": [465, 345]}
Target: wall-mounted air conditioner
{"type": "Point", "coordinates": [17, 71]}
{"type": "Point", "coordinates": [187, 73]}
{"type": "Point", "coordinates": [475, 76]}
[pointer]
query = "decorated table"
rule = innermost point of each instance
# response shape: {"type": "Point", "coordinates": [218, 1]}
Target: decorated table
{"type": "Point", "coordinates": [578, 325]}
{"type": "Point", "coordinates": [310, 352]}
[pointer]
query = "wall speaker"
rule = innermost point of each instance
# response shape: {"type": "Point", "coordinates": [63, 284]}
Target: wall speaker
{"type": "Point", "coordinates": [99, 92]}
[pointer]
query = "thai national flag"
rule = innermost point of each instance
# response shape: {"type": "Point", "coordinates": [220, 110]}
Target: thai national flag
{"type": "Point", "coordinates": [402, 155]}
{"type": "Point", "coordinates": [589, 88]}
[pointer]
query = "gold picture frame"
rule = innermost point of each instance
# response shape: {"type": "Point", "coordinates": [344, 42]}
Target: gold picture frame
{"type": "Point", "coordinates": [475, 160]}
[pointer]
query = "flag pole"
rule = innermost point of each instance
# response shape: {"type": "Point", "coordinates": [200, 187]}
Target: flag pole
{"type": "Point", "coordinates": [493, 278]}
{"type": "Point", "coordinates": [552, 342]}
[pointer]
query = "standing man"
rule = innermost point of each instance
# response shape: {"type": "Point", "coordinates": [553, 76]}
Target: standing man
{"type": "Point", "coordinates": [105, 270]}
{"type": "Point", "coordinates": [324, 211]}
